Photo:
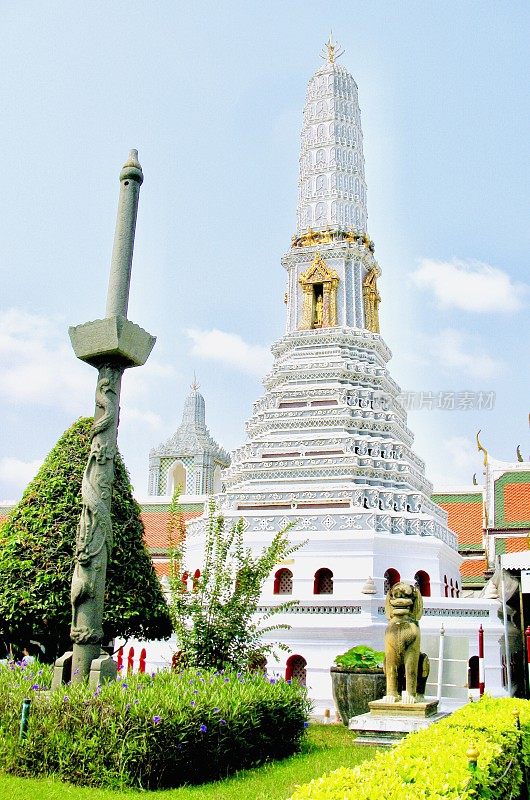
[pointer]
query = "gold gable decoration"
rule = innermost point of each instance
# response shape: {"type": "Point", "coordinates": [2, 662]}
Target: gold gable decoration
{"type": "Point", "coordinates": [371, 300]}
{"type": "Point", "coordinates": [319, 285]}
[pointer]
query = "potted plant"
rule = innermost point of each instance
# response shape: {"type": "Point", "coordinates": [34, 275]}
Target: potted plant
{"type": "Point", "coordinates": [357, 678]}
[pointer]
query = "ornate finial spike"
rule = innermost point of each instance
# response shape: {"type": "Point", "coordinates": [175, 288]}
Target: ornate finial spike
{"type": "Point", "coordinates": [482, 449]}
{"type": "Point", "coordinates": [475, 479]}
{"type": "Point", "coordinates": [519, 454]}
{"type": "Point", "coordinates": [195, 385]}
{"type": "Point", "coordinates": [332, 50]}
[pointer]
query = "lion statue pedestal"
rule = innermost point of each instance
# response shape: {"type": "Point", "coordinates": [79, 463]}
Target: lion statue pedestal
{"type": "Point", "coordinates": [404, 707]}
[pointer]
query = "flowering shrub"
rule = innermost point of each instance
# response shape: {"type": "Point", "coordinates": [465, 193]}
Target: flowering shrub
{"type": "Point", "coordinates": [433, 763]}
{"type": "Point", "coordinates": [148, 731]}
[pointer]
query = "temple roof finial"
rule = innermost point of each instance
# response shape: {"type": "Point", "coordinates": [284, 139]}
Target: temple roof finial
{"type": "Point", "coordinates": [195, 385]}
{"type": "Point", "coordinates": [332, 50]}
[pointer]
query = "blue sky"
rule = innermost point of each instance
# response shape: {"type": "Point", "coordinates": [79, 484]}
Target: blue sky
{"type": "Point", "coordinates": [211, 94]}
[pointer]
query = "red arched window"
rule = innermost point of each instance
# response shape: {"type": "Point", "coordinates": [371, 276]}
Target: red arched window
{"type": "Point", "coordinates": [195, 579]}
{"type": "Point", "coordinates": [423, 582]}
{"type": "Point", "coordinates": [283, 582]}
{"type": "Point", "coordinates": [446, 587]}
{"type": "Point", "coordinates": [323, 583]}
{"type": "Point", "coordinates": [295, 669]}
{"type": "Point", "coordinates": [391, 577]}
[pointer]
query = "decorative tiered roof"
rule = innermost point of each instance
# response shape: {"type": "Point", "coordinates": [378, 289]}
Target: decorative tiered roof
{"type": "Point", "coordinates": [332, 187]}
{"type": "Point", "coordinates": [192, 450]}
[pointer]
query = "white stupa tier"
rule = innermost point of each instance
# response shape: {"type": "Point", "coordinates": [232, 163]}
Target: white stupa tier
{"type": "Point", "coordinates": [328, 444]}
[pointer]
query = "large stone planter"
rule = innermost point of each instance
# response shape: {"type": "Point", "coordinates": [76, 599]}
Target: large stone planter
{"type": "Point", "coordinates": [353, 689]}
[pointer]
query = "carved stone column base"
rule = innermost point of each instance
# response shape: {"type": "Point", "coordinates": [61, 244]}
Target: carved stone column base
{"type": "Point", "coordinates": [102, 669]}
{"type": "Point", "coordinates": [99, 666]}
{"type": "Point", "coordinates": [83, 655]}
{"type": "Point", "coordinates": [62, 670]}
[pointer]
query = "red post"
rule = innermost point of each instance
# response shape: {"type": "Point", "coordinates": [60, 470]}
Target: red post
{"type": "Point", "coordinates": [120, 658]}
{"type": "Point", "coordinates": [481, 677]}
{"type": "Point", "coordinates": [143, 656]}
{"type": "Point", "coordinates": [130, 660]}
{"type": "Point", "coordinates": [527, 637]}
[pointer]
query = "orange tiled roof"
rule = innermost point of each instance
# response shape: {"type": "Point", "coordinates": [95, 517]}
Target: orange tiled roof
{"type": "Point", "coordinates": [517, 502]}
{"type": "Point", "coordinates": [516, 544]}
{"type": "Point", "coordinates": [465, 519]}
{"type": "Point", "coordinates": [161, 568]}
{"type": "Point", "coordinates": [473, 568]}
{"type": "Point", "coordinates": [155, 525]}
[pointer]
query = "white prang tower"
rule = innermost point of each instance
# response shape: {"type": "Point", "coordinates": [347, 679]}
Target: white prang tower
{"type": "Point", "coordinates": [328, 444]}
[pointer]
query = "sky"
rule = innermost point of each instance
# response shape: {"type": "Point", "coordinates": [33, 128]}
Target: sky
{"type": "Point", "coordinates": [211, 95]}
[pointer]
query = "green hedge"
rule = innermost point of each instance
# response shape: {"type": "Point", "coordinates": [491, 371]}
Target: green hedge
{"type": "Point", "coordinates": [433, 763]}
{"type": "Point", "coordinates": [148, 731]}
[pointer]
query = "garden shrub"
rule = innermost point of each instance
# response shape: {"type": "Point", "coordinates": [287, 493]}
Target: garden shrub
{"type": "Point", "coordinates": [433, 763]}
{"type": "Point", "coordinates": [146, 731]}
{"type": "Point", "coordinates": [37, 545]}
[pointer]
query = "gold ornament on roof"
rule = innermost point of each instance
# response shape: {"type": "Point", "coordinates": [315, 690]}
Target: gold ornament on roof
{"type": "Point", "coordinates": [332, 50]}
{"type": "Point", "coordinates": [310, 238]}
{"type": "Point", "coordinates": [519, 454]}
{"type": "Point", "coordinates": [482, 449]}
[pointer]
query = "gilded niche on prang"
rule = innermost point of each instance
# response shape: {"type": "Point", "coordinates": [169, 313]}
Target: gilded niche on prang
{"type": "Point", "coordinates": [371, 300]}
{"type": "Point", "coordinates": [319, 285]}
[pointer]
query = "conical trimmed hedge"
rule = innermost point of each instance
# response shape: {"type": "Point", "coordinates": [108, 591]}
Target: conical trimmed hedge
{"type": "Point", "coordinates": [36, 549]}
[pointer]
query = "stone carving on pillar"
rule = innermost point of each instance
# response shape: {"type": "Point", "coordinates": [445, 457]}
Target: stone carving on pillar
{"type": "Point", "coordinates": [371, 300]}
{"type": "Point", "coordinates": [94, 533]}
{"type": "Point", "coordinates": [319, 285]}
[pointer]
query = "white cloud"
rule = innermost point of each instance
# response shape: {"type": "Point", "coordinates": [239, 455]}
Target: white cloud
{"type": "Point", "coordinates": [469, 285]}
{"type": "Point", "coordinates": [463, 453]}
{"type": "Point", "coordinates": [130, 414]}
{"type": "Point", "coordinates": [18, 473]}
{"type": "Point", "coordinates": [38, 367]}
{"type": "Point", "coordinates": [230, 349]}
{"type": "Point", "coordinates": [456, 351]}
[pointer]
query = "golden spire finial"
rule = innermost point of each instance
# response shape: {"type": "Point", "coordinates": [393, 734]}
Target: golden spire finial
{"type": "Point", "coordinates": [332, 50]}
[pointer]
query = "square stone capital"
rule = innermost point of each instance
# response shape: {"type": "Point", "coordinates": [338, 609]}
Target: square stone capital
{"type": "Point", "coordinates": [114, 340]}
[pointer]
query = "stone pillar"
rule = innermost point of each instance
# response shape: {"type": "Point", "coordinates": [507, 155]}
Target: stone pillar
{"type": "Point", "coordinates": [111, 345]}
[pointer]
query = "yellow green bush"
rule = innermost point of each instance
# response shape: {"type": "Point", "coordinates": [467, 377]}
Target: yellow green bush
{"type": "Point", "coordinates": [433, 763]}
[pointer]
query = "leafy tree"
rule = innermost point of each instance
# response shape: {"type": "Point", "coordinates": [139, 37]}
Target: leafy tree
{"type": "Point", "coordinates": [216, 623]}
{"type": "Point", "coordinates": [36, 550]}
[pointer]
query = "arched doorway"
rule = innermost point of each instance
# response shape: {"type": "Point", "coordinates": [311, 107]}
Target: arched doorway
{"type": "Point", "coordinates": [473, 673]}
{"type": "Point", "coordinates": [391, 577]}
{"type": "Point", "coordinates": [283, 582]}
{"type": "Point", "coordinates": [323, 583]}
{"type": "Point", "coordinates": [176, 477]}
{"type": "Point", "coordinates": [423, 583]}
{"type": "Point", "coordinates": [295, 669]}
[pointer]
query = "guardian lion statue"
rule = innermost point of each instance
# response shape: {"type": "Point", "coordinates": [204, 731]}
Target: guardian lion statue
{"type": "Point", "coordinates": [406, 668]}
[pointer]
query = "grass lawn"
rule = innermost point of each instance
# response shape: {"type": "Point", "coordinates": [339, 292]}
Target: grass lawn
{"type": "Point", "coordinates": [328, 747]}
